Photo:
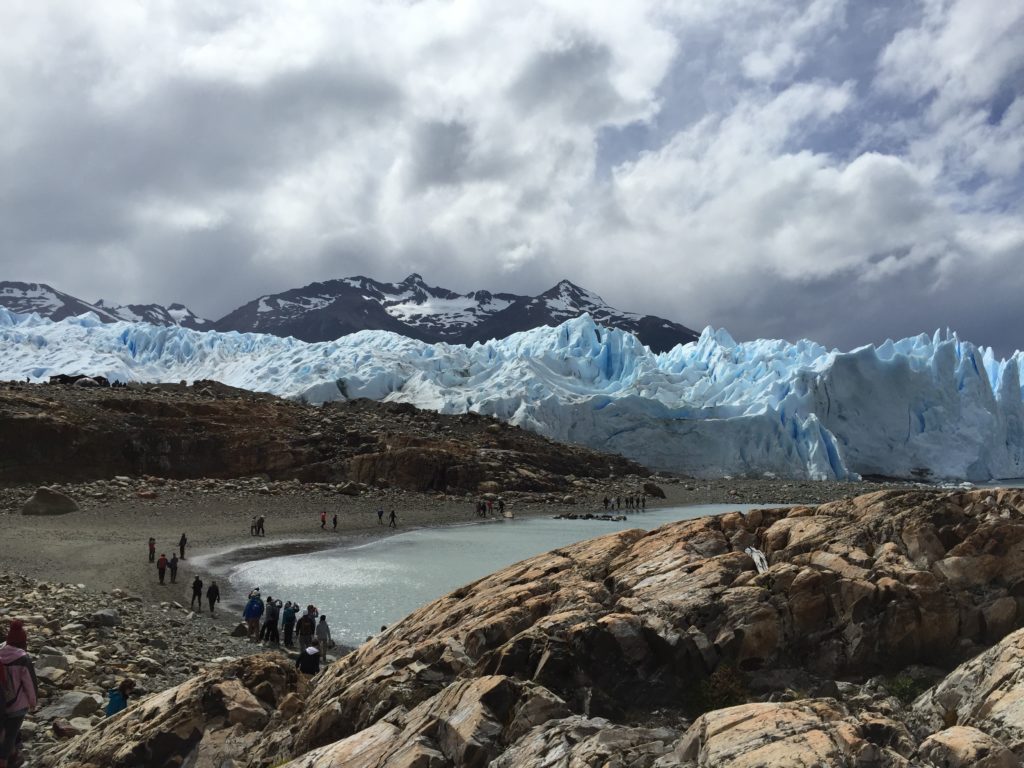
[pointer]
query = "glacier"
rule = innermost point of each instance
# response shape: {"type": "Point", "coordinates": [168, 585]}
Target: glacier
{"type": "Point", "coordinates": [929, 407]}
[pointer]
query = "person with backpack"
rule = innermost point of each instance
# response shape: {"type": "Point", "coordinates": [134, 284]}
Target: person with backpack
{"type": "Point", "coordinates": [152, 549]}
{"type": "Point", "coordinates": [252, 613]}
{"type": "Point", "coordinates": [161, 567]}
{"type": "Point", "coordinates": [19, 690]}
{"type": "Point", "coordinates": [119, 696]}
{"type": "Point", "coordinates": [172, 566]}
{"type": "Point", "coordinates": [271, 618]}
{"type": "Point", "coordinates": [182, 542]}
{"type": "Point", "coordinates": [197, 593]}
{"type": "Point", "coordinates": [305, 628]}
{"type": "Point", "coordinates": [212, 596]}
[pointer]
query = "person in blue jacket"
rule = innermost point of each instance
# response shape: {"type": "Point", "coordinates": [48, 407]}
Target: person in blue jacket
{"type": "Point", "coordinates": [119, 696]}
{"type": "Point", "coordinates": [252, 613]}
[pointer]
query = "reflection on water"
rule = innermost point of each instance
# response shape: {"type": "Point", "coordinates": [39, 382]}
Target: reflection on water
{"type": "Point", "coordinates": [362, 587]}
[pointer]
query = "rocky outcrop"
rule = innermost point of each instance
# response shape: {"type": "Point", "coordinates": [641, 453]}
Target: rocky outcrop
{"type": "Point", "coordinates": [603, 651]}
{"type": "Point", "coordinates": [211, 718]}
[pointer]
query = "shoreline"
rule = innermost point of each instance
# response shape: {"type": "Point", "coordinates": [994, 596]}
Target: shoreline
{"type": "Point", "coordinates": [103, 545]}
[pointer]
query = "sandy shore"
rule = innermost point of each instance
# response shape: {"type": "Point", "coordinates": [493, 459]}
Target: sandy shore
{"type": "Point", "coordinates": [104, 545]}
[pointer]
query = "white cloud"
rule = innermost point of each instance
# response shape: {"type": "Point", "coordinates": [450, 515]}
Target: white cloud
{"type": "Point", "coordinates": [285, 143]}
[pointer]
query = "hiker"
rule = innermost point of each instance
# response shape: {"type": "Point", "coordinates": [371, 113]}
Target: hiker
{"type": "Point", "coordinates": [152, 549]}
{"type": "Point", "coordinates": [334, 521]}
{"type": "Point", "coordinates": [119, 696]}
{"type": "Point", "coordinates": [323, 521]}
{"type": "Point", "coordinates": [161, 566]}
{"type": "Point", "coordinates": [252, 613]}
{"type": "Point", "coordinates": [501, 507]}
{"type": "Point", "coordinates": [20, 688]}
{"type": "Point", "coordinates": [172, 566]}
{"type": "Point", "coordinates": [380, 516]}
{"type": "Point", "coordinates": [273, 615]}
{"type": "Point", "coordinates": [308, 660]}
{"type": "Point", "coordinates": [392, 520]}
{"type": "Point", "coordinates": [288, 622]}
{"type": "Point", "coordinates": [212, 595]}
{"type": "Point", "coordinates": [305, 628]}
{"type": "Point", "coordinates": [260, 530]}
{"type": "Point", "coordinates": [323, 634]}
{"type": "Point", "coordinates": [197, 593]}
{"type": "Point", "coordinates": [181, 545]}
{"type": "Point", "coordinates": [252, 526]}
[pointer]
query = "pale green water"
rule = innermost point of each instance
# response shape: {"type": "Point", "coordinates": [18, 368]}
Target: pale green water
{"type": "Point", "coordinates": [362, 587]}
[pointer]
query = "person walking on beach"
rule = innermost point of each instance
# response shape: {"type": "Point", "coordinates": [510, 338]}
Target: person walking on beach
{"type": "Point", "coordinates": [212, 596]}
{"type": "Point", "coordinates": [323, 521]}
{"type": "Point", "coordinates": [323, 636]}
{"type": "Point", "coordinates": [260, 530]}
{"type": "Point", "coordinates": [20, 689]}
{"type": "Point", "coordinates": [334, 521]}
{"type": "Point", "coordinates": [197, 593]}
{"type": "Point", "coordinates": [161, 567]}
{"type": "Point", "coordinates": [392, 520]}
{"type": "Point", "coordinates": [252, 526]}
{"type": "Point", "coordinates": [152, 549]}
{"type": "Point", "coordinates": [288, 622]}
{"type": "Point", "coordinates": [252, 613]}
{"type": "Point", "coordinates": [380, 516]}
{"type": "Point", "coordinates": [172, 566]}
{"type": "Point", "coordinates": [181, 545]}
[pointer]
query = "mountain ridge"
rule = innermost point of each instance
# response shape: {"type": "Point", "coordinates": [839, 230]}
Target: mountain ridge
{"type": "Point", "coordinates": [328, 310]}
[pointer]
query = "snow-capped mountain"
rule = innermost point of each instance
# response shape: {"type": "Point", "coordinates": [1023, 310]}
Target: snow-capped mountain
{"type": "Point", "coordinates": [934, 407]}
{"type": "Point", "coordinates": [45, 301]}
{"type": "Point", "coordinates": [329, 310]}
{"type": "Point", "coordinates": [175, 314]}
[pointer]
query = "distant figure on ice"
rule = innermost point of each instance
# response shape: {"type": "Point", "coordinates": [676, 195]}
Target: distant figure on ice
{"type": "Point", "coordinates": [197, 593]}
{"type": "Point", "coordinates": [152, 549]}
{"type": "Point", "coordinates": [181, 545]}
{"type": "Point", "coordinates": [161, 567]}
{"type": "Point", "coordinates": [172, 566]}
{"type": "Point", "coordinates": [212, 596]}
{"type": "Point", "coordinates": [392, 520]}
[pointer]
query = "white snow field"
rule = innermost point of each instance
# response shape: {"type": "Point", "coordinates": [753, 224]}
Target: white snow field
{"type": "Point", "coordinates": [933, 407]}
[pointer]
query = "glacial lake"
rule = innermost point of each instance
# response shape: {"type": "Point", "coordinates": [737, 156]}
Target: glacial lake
{"type": "Point", "coordinates": [363, 586]}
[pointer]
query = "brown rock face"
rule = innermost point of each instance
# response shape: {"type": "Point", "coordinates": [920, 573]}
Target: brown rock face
{"type": "Point", "coordinates": [64, 433]}
{"type": "Point", "coordinates": [204, 721]}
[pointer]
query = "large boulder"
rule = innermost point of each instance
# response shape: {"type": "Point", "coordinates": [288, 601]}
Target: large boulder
{"type": "Point", "coordinates": [207, 720]}
{"type": "Point", "coordinates": [70, 705]}
{"type": "Point", "coordinates": [986, 693]}
{"type": "Point", "coordinates": [47, 501]}
{"type": "Point", "coordinates": [965, 747]}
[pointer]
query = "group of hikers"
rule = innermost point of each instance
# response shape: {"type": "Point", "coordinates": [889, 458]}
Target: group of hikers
{"type": "Point", "coordinates": [164, 565]}
{"type": "Point", "coordinates": [19, 693]}
{"type": "Point", "coordinates": [637, 501]}
{"type": "Point", "coordinates": [485, 507]}
{"type": "Point", "coordinates": [266, 619]}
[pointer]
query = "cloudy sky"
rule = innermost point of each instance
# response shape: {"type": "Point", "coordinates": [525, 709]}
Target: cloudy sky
{"type": "Point", "coordinates": [842, 170]}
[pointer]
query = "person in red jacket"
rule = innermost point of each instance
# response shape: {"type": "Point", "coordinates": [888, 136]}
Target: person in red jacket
{"type": "Point", "coordinates": [161, 567]}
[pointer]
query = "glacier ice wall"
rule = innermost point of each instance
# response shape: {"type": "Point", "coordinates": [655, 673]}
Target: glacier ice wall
{"type": "Point", "coordinates": [923, 406]}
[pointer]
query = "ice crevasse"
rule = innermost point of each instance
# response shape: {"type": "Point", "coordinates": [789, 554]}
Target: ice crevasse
{"type": "Point", "coordinates": [925, 406]}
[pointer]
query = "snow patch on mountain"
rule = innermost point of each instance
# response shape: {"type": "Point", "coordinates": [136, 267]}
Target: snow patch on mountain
{"type": "Point", "coordinates": [924, 406]}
